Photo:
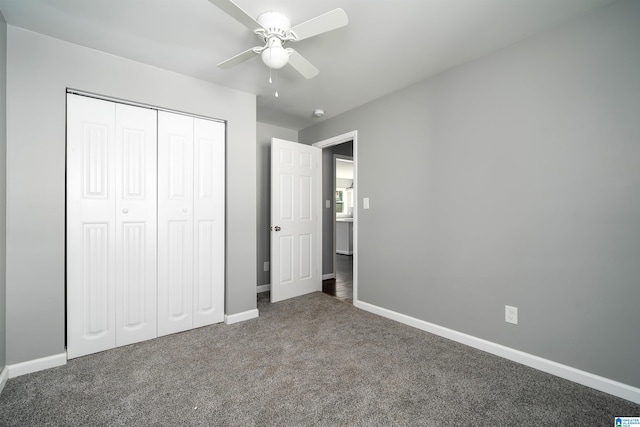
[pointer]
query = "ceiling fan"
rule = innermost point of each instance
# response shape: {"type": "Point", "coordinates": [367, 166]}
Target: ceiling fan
{"type": "Point", "coordinates": [274, 29]}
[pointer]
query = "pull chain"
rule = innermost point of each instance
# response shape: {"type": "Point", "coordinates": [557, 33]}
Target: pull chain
{"type": "Point", "coordinates": [270, 80]}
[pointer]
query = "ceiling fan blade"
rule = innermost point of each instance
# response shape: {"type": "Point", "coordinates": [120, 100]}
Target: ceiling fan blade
{"type": "Point", "coordinates": [320, 24]}
{"type": "Point", "coordinates": [301, 65]}
{"type": "Point", "coordinates": [236, 12]}
{"type": "Point", "coordinates": [241, 57]}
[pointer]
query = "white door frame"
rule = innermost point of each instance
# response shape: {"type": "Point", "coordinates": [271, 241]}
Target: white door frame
{"type": "Point", "coordinates": [330, 142]}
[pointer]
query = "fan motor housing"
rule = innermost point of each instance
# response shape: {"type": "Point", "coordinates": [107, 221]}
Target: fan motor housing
{"type": "Point", "coordinates": [275, 23]}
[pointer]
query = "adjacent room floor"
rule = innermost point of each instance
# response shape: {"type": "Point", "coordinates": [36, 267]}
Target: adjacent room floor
{"type": "Point", "coordinates": [341, 287]}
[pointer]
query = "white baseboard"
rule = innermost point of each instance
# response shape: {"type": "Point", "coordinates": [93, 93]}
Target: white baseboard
{"type": "Point", "coordinates": [4, 376]}
{"type": "Point", "coordinates": [341, 252]}
{"type": "Point", "coordinates": [36, 365]}
{"type": "Point", "coordinates": [230, 319]}
{"type": "Point", "coordinates": [263, 288]}
{"type": "Point", "coordinates": [597, 382]}
{"type": "Point", "coordinates": [328, 276]}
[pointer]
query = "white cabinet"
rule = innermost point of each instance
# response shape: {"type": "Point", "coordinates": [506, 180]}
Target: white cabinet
{"type": "Point", "coordinates": [145, 224]}
{"type": "Point", "coordinates": [344, 236]}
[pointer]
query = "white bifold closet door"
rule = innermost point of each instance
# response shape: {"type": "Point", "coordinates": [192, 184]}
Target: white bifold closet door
{"type": "Point", "coordinates": [111, 225]}
{"type": "Point", "coordinates": [191, 162]}
{"type": "Point", "coordinates": [145, 224]}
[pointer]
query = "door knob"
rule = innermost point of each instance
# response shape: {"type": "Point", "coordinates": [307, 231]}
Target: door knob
{"type": "Point", "coordinates": [276, 228]}
{"type": "Point", "coordinates": [125, 210]}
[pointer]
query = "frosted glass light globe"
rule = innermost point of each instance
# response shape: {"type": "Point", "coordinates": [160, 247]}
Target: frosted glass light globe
{"type": "Point", "coordinates": [275, 56]}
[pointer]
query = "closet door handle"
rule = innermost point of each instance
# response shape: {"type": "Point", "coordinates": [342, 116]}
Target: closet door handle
{"type": "Point", "coordinates": [184, 210]}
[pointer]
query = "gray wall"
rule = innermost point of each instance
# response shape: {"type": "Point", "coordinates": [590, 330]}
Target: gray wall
{"type": "Point", "coordinates": [3, 187]}
{"type": "Point", "coordinates": [39, 71]}
{"type": "Point", "coordinates": [263, 140]}
{"type": "Point", "coordinates": [514, 180]}
{"type": "Point", "coordinates": [328, 220]}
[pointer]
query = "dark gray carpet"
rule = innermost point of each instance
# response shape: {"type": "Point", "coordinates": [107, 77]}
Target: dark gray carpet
{"type": "Point", "coordinates": [312, 360]}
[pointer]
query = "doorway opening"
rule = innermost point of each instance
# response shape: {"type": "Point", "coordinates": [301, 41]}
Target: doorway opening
{"type": "Point", "coordinates": [339, 216]}
{"type": "Point", "coordinates": [341, 285]}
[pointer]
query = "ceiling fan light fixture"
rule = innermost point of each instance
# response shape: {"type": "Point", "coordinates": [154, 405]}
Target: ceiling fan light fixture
{"type": "Point", "coordinates": [275, 30]}
{"type": "Point", "coordinates": [275, 56]}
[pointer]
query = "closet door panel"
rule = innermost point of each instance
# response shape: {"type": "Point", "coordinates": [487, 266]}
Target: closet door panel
{"type": "Point", "coordinates": [91, 229]}
{"type": "Point", "coordinates": [209, 211]}
{"type": "Point", "coordinates": [145, 224]}
{"type": "Point", "coordinates": [136, 209]}
{"type": "Point", "coordinates": [175, 223]}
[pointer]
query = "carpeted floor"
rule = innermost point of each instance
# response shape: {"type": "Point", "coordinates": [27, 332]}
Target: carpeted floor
{"type": "Point", "coordinates": [312, 360]}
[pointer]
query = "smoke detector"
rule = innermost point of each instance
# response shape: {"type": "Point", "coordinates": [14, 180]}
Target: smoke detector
{"type": "Point", "coordinates": [318, 112]}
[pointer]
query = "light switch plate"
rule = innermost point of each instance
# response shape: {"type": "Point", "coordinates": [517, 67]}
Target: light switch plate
{"type": "Point", "coordinates": [265, 266]}
{"type": "Point", "coordinates": [365, 203]}
{"type": "Point", "coordinates": [328, 204]}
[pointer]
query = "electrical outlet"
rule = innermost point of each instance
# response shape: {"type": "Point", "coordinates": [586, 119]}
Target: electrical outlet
{"type": "Point", "coordinates": [265, 266]}
{"type": "Point", "coordinates": [511, 314]}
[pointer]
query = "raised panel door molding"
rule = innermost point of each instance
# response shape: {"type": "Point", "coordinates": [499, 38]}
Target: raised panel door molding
{"type": "Point", "coordinates": [133, 275]}
{"type": "Point", "coordinates": [96, 280]}
{"type": "Point", "coordinates": [180, 270]}
{"type": "Point", "coordinates": [96, 162]}
{"type": "Point", "coordinates": [134, 146]}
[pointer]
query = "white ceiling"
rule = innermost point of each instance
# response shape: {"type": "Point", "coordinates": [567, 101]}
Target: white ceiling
{"type": "Point", "coordinates": [388, 44]}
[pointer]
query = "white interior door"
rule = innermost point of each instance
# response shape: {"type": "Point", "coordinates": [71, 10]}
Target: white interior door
{"type": "Point", "coordinates": [296, 238]}
{"type": "Point", "coordinates": [175, 223]}
{"type": "Point", "coordinates": [91, 228]}
{"type": "Point", "coordinates": [135, 210]}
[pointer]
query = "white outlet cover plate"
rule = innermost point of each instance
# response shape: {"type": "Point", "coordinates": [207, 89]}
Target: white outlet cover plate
{"type": "Point", "coordinates": [511, 314]}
